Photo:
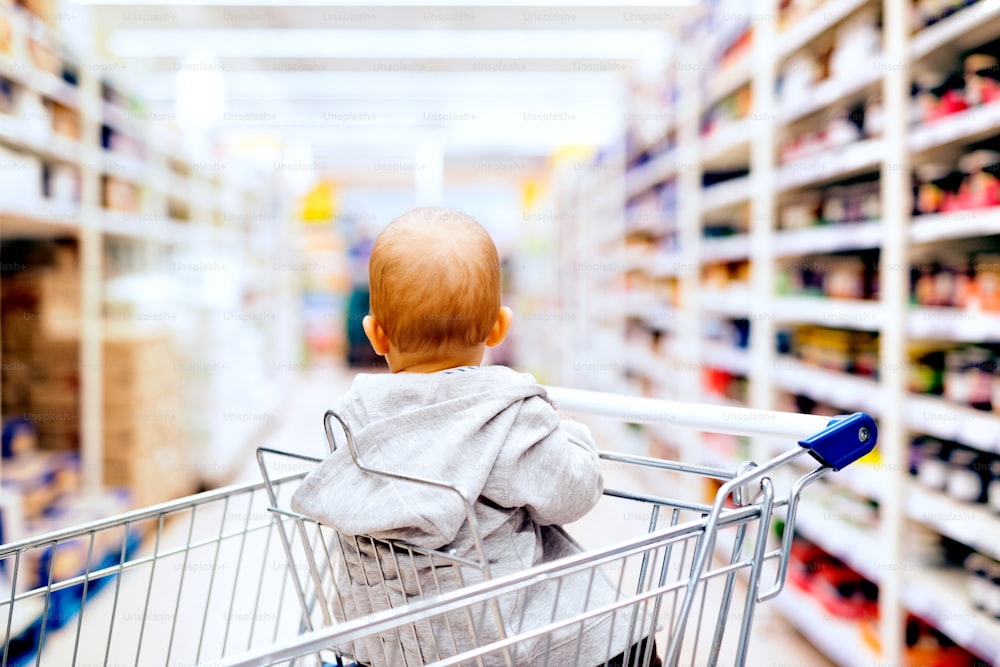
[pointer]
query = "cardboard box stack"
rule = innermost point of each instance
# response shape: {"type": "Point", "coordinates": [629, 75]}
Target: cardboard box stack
{"type": "Point", "coordinates": [143, 417]}
{"type": "Point", "coordinates": [142, 413]}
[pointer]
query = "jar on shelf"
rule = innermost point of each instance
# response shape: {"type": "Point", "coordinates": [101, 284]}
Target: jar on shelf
{"type": "Point", "coordinates": [966, 477]}
{"type": "Point", "coordinates": [979, 376]}
{"type": "Point", "coordinates": [981, 79]}
{"type": "Point", "coordinates": [977, 567]}
{"type": "Point", "coordinates": [984, 291]}
{"type": "Point", "coordinates": [956, 387]}
{"type": "Point", "coordinates": [929, 461]}
{"type": "Point", "coordinates": [981, 187]}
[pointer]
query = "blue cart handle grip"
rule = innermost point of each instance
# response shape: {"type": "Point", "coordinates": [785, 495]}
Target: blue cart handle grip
{"type": "Point", "coordinates": [845, 439]}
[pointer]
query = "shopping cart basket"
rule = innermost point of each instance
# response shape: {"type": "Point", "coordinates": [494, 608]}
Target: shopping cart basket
{"type": "Point", "coordinates": [233, 577]}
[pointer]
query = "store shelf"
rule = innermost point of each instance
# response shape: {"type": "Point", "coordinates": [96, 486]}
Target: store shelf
{"type": "Point", "coordinates": [821, 20]}
{"type": "Point", "coordinates": [828, 238]}
{"type": "Point", "coordinates": [953, 324]}
{"type": "Point", "coordinates": [725, 357]}
{"type": "Point", "coordinates": [734, 301]}
{"type": "Point", "coordinates": [726, 249]}
{"type": "Point", "coordinates": [831, 165]}
{"type": "Point", "coordinates": [727, 81]}
{"type": "Point", "coordinates": [971, 524]}
{"type": "Point", "coordinates": [53, 147]}
{"type": "Point", "coordinates": [666, 264]}
{"type": "Point", "coordinates": [939, 597]}
{"type": "Point", "coordinates": [963, 30]}
{"type": "Point", "coordinates": [839, 313]}
{"type": "Point", "coordinates": [839, 389]}
{"type": "Point", "coordinates": [828, 93]}
{"type": "Point", "coordinates": [858, 549]}
{"type": "Point", "coordinates": [725, 195]}
{"type": "Point", "coordinates": [645, 363]}
{"type": "Point", "coordinates": [650, 174]}
{"type": "Point", "coordinates": [839, 639]}
{"type": "Point", "coordinates": [962, 128]}
{"type": "Point", "coordinates": [949, 226]}
{"type": "Point", "coordinates": [124, 167]}
{"type": "Point", "coordinates": [45, 219]}
{"type": "Point", "coordinates": [945, 420]}
{"type": "Point", "coordinates": [727, 148]}
{"type": "Point", "coordinates": [128, 225]}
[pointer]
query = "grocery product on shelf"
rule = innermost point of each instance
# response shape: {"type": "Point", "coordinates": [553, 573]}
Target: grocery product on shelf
{"type": "Point", "coordinates": [963, 473]}
{"type": "Point", "coordinates": [965, 375]}
{"type": "Point", "coordinates": [851, 352]}
{"type": "Point", "coordinates": [842, 276]}
{"type": "Point", "coordinates": [984, 583]}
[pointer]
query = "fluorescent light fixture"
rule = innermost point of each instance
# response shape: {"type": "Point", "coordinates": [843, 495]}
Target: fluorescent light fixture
{"type": "Point", "coordinates": [200, 95]}
{"type": "Point", "coordinates": [400, 44]}
{"type": "Point", "coordinates": [418, 88]}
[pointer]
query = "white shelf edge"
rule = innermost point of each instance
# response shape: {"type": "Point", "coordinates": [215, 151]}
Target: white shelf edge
{"type": "Point", "coordinates": [942, 419]}
{"type": "Point", "coordinates": [953, 324]}
{"type": "Point", "coordinates": [722, 195]}
{"type": "Point", "coordinates": [726, 357]}
{"type": "Point", "coordinates": [666, 264]}
{"type": "Point", "coordinates": [825, 94]}
{"type": "Point", "coordinates": [969, 523]}
{"type": "Point", "coordinates": [650, 174]}
{"type": "Point", "coordinates": [822, 19]}
{"type": "Point", "coordinates": [732, 301]}
{"type": "Point", "coordinates": [958, 225]}
{"type": "Point", "coordinates": [828, 238]}
{"type": "Point", "coordinates": [838, 313]}
{"type": "Point", "coordinates": [50, 147]}
{"type": "Point", "coordinates": [839, 389]}
{"type": "Point", "coordinates": [961, 127]}
{"type": "Point", "coordinates": [725, 248]}
{"type": "Point", "coordinates": [727, 81]}
{"type": "Point", "coordinates": [734, 138]}
{"type": "Point", "coordinates": [946, 31]}
{"type": "Point", "coordinates": [830, 165]}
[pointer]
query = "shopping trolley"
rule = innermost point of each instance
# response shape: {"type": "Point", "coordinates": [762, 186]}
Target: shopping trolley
{"type": "Point", "coordinates": [233, 577]}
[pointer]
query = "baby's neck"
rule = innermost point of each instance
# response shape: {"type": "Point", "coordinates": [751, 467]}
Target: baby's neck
{"type": "Point", "coordinates": [400, 363]}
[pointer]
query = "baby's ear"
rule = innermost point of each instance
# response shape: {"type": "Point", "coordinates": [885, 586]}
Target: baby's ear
{"type": "Point", "coordinates": [500, 327]}
{"type": "Point", "coordinates": [376, 335]}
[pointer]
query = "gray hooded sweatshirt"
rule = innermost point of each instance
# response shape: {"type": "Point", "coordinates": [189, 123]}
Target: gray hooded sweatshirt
{"type": "Point", "coordinates": [493, 432]}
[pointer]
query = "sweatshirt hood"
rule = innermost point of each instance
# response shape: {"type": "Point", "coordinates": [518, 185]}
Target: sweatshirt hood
{"type": "Point", "coordinates": [445, 426]}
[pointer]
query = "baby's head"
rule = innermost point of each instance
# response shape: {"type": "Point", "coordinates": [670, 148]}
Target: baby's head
{"type": "Point", "coordinates": [435, 292]}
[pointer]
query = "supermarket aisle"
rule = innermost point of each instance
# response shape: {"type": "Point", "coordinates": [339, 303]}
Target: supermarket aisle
{"type": "Point", "coordinates": [299, 429]}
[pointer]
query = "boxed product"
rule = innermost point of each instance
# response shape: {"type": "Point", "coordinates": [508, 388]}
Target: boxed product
{"type": "Point", "coordinates": [39, 478]}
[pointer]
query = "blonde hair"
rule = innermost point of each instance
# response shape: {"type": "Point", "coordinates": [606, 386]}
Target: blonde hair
{"type": "Point", "coordinates": [435, 281]}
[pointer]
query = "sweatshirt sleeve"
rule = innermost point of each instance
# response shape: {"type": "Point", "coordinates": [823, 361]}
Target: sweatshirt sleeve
{"type": "Point", "coordinates": [557, 477]}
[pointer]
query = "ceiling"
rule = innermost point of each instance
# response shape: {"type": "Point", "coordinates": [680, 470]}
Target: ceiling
{"type": "Point", "coordinates": [402, 81]}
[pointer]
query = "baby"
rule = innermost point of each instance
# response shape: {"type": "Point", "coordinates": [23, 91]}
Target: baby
{"type": "Point", "coordinates": [435, 308]}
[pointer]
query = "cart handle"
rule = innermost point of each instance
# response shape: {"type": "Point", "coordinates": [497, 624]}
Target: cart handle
{"type": "Point", "coordinates": [835, 442]}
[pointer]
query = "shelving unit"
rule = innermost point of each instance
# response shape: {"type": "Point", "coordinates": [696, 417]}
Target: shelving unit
{"type": "Point", "coordinates": [751, 201]}
{"type": "Point", "coordinates": [175, 207]}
